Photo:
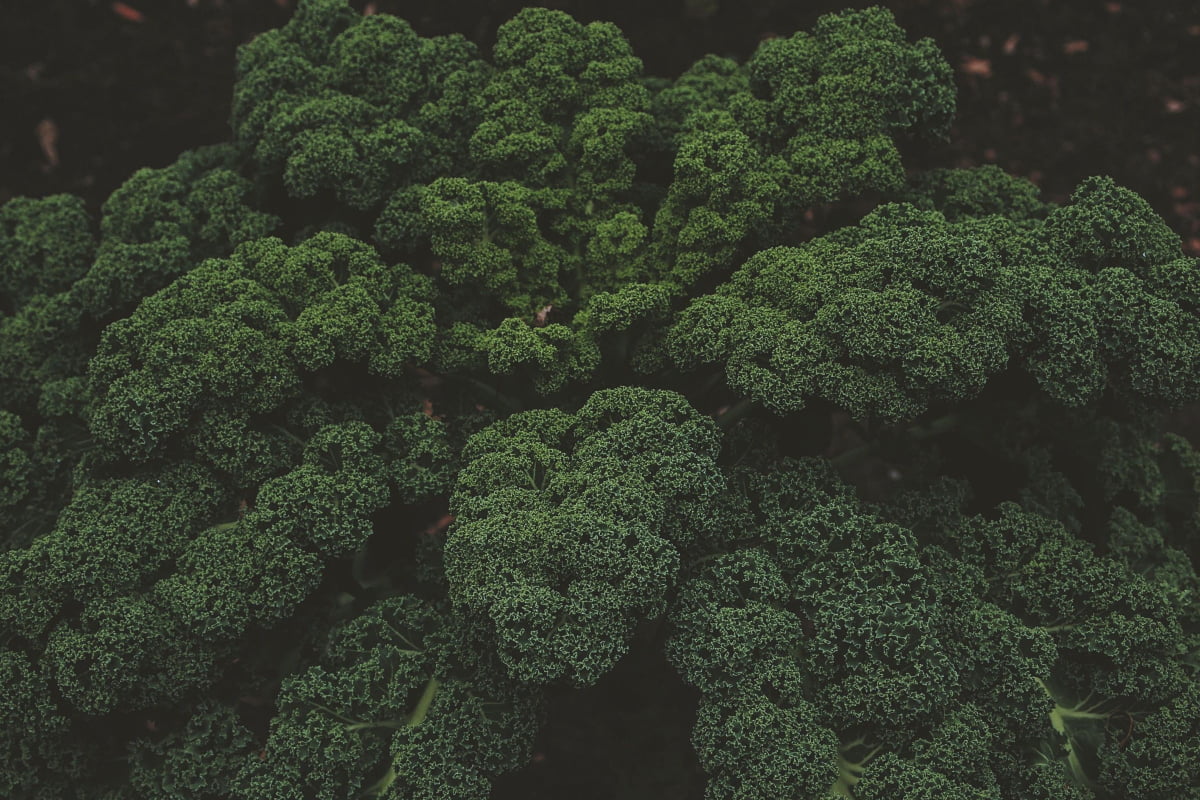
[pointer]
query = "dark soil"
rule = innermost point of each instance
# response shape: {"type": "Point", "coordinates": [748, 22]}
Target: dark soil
{"type": "Point", "coordinates": [1053, 91]}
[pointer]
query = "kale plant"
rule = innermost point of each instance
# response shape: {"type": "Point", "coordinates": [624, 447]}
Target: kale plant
{"type": "Point", "coordinates": [469, 422]}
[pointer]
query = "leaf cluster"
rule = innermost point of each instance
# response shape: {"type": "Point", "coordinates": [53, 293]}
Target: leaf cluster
{"type": "Point", "coordinates": [477, 424]}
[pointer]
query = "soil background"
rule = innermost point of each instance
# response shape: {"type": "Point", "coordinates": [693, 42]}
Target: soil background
{"type": "Point", "coordinates": [1053, 90]}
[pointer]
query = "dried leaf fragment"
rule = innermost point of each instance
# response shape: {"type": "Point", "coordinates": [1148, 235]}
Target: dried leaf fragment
{"type": "Point", "coordinates": [47, 136]}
